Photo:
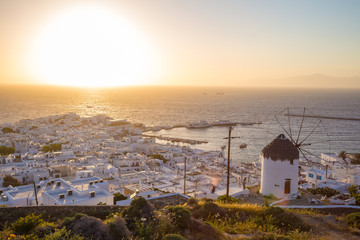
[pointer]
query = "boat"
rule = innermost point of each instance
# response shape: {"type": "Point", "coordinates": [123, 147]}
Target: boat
{"type": "Point", "coordinates": [249, 123]}
{"type": "Point", "coordinates": [156, 128]}
{"type": "Point", "coordinates": [201, 124]}
{"type": "Point", "coordinates": [220, 93]}
{"type": "Point", "coordinates": [243, 145]}
{"type": "Point", "coordinates": [223, 123]}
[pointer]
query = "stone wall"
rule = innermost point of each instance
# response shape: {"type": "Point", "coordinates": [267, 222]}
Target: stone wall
{"type": "Point", "coordinates": [168, 200]}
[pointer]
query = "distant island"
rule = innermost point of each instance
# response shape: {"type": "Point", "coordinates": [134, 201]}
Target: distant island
{"type": "Point", "coordinates": [313, 81]}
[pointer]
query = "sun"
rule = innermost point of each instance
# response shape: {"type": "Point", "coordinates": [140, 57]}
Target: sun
{"type": "Point", "coordinates": [92, 46]}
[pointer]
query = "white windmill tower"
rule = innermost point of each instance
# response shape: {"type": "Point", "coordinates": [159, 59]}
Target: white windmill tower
{"type": "Point", "coordinates": [280, 166]}
{"type": "Point", "coordinates": [280, 158]}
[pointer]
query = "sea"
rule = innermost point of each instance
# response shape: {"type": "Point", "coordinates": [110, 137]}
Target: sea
{"type": "Point", "coordinates": [167, 106]}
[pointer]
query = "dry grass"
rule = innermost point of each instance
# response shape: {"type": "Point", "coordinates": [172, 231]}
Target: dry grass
{"type": "Point", "coordinates": [251, 209]}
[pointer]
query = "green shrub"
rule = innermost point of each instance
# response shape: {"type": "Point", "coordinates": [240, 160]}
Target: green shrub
{"type": "Point", "coordinates": [119, 197]}
{"type": "Point", "coordinates": [158, 156]}
{"type": "Point", "coordinates": [210, 209]}
{"type": "Point", "coordinates": [25, 225]}
{"type": "Point", "coordinates": [352, 190]}
{"type": "Point", "coordinates": [270, 236]}
{"type": "Point", "coordinates": [269, 199]}
{"type": "Point", "coordinates": [353, 219]}
{"type": "Point", "coordinates": [223, 199]}
{"type": "Point", "coordinates": [192, 204]}
{"type": "Point", "coordinates": [205, 200]}
{"type": "Point", "coordinates": [288, 221]}
{"type": "Point", "coordinates": [164, 225]}
{"type": "Point", "coordinates": [79, 215]}
{"type": "Point", "coordinates": [62, 234]}
{"type": "Point", "coordinates": [139, 209]}
{"type": "Point", "coordinates": [10, 180]}
{"type": "Point", "coordinates": [52, 147]}
{"type": "Point", "coordinates": [7, 130]}
{"type": "Point", "coordinates": [146, 230]}
{"type": "Point", "coordinates": [67, 221]}
{"type": "Point", "coordinates": [117, 228]}
{"type": "Point", "coordinates": [357, 199]}
{"type": "Point", "coordinates": [173, 237]}
{"type": "Point", "coordinates": [88, 227]}
{"type": "Point", "coordinates": [325, 191]}
{"type": "Point", "coordinates": [202, 230]}
{"type": "Point", "coordinates": [180, 217]}
{"type": "Point", "coordinates": [43, 229]}
{"type": "Point", "coordinates": [4, 150]}
{"type": "Point", "coordinates": [192, 201]}
{"type": "Point", "coordinates": [273, 211]}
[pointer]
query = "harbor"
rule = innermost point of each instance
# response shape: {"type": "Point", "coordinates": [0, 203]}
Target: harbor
{"type": "Point", "coordinates": [202, 124]}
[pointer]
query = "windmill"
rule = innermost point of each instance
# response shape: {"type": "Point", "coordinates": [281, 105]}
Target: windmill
{"type": "Point", "coordinates": [306, 134]}
{"type": "Point", "coordinates": [280, 158]}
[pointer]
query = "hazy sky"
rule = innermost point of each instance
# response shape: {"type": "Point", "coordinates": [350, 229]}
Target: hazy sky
{"type": "Point", "coordinates": [187, 42]}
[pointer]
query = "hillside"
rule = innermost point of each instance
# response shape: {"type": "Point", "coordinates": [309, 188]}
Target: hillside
{"type": "Point", "coordinates": [204, 219]}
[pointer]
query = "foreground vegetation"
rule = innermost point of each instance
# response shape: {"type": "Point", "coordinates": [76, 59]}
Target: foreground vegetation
{"type": "Point", "coordinates": [204, 219]}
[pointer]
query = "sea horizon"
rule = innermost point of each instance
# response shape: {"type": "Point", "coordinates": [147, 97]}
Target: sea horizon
{"type": "Point", "coordinates": [170, 105]}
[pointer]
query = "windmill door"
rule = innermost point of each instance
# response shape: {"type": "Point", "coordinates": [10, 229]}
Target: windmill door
{"type": "Point", "coordinates": [287, 186]}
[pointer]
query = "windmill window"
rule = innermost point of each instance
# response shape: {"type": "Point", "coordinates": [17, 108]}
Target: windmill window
{"type": "Point", "coordinates": [311, 175]}
{"type": "Point", "coordinates": [318, 177]}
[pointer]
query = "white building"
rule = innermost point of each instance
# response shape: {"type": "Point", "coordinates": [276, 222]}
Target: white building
{"type": "Point", "coordinates": [315, 176]}
{"type": "Point", "coordinates": [84, 173]}
{"type": "Point", "coordinates": [331, 159]}
{"type": "Point", "coordinates": [90, 191]}
{"type": "Point", "coordinates": [354, 179]}
{"type": "Point", "coordinates": [280, 168]}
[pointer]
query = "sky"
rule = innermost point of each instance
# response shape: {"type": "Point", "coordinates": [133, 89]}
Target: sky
{"type": "Point", "coordinates": [168, 42]}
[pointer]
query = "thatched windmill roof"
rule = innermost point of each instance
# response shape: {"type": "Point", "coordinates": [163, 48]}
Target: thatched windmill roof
{"type": "Point", "coordinates": [281, 149]}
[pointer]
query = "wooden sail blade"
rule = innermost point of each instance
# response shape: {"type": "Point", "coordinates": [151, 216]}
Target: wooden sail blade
{"type": "Point", "coordinates": [301, 124]}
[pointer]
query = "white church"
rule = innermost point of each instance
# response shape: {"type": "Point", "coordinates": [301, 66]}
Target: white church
{"type": "Point", "coordinates": [280, 168]}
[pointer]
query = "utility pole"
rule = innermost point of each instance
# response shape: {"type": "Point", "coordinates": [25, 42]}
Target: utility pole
{"type": "Point", "coordinates": [231, 127]}
{"type": "Point", "coordinates": [35, 194]}
{"type": "Point", "coordinates": [185, 176]}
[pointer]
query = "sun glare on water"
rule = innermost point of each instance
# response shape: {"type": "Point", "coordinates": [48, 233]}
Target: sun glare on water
{"type": "Point", "coordinates": [92, 47]}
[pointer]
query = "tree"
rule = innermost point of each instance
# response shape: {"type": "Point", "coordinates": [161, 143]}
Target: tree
{"type": "Point", "coordinates": [158, 156]}
{"type": "Point", "coordinates": [4, 150]}
{"type": "Point", "coordinates": [352, 190]}
{"type": "Point", "coordinates": [180, 217]}
{"type": "Point", "coordinates": [343, 156]}
{"type": "Point", "coordinates": [8, 130]}
{"type": "Point", "coordinates": [119, 197]}
{"type": "Point", "coordinates": [52, 147]}
{"type": "Point", "coordinates": [357, 159]}
{"type": "Point", "coordinates": [10, 180]}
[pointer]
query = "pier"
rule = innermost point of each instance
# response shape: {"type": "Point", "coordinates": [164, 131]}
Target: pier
{"type": "Point", "coordinates": [182, 140]}
{"type": "Point", "coordinates": [209, 125]}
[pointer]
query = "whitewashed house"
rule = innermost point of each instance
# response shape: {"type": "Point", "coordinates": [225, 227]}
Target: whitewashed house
{"type": "Point", "coordinates": [90, 191]}
{"type": "Point", "coordinates": [315, 176]}
{"type": "Point", "coordinates": [280, 168]}
{"type": "Point", "coordinates": [84, 173]}
{"type": "Point", "coordinates": [354, 179]}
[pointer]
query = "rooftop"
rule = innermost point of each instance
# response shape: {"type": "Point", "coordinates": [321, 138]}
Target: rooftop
{"type": "Point", "coordinates": [281, 149]}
